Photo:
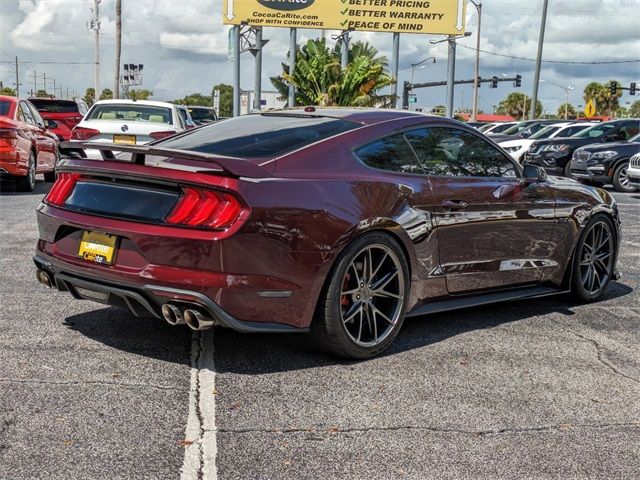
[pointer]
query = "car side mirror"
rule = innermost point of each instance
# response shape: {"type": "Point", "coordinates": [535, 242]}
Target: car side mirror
{"type": "Point", "coordinates": [50, 124]}
{"type": "Point", "coordinates": [533, 174]}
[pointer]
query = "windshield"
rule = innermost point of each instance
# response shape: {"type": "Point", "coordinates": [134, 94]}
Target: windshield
{"type": "Point", "coordinates": [54, 106]}
{"type": "Point", "coordinates": [544, 133]}
{"type": "Point", "coordinates": [501, 128]}
{"type": "Point", "coordinates": [518, 127]}
{"type": "Point", "coordinates": [595, 131]}
{"type": "Point", "coordinates": [263, 135]}
{"type": "Point", "coordinates": [635, 139]}
{"type": "Point", "coordinates": [131, 113]}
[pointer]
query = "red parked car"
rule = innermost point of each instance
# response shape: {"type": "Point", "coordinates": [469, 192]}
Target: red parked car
{"type": "Point", "coordinates": [26, 145]}
{"type": "Point", "coordinates": [66, 113]}
{"type": "Point", "coordinates": [341, 222]}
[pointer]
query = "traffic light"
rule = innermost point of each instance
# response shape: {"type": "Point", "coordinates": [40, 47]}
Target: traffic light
{"type": "Point", "coordinates": [613, 88]}
{"type": "Point", "coordinates": [632, 88]}
{"type": "Point", "coordinates": [518, 82]}
{"type": "Point", "coordinates": [479, 82]}
{"type": "Point", "coordinates": [494, 82]}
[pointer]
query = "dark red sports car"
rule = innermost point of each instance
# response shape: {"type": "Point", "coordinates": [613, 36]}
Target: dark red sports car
{"type": "Point", "coordinates": [342, 222]}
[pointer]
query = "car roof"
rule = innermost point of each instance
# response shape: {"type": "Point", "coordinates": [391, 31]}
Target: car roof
{"type": "Point", "coordinates": [9, 98]}
{"type": "Point", "coordinates": [365, 116]}
{"type": "Point", "coordinates": [151, 103]}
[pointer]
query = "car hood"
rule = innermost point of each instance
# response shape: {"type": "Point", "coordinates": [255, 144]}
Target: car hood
{"type": "Point", "coordinates": [574, 142]}
{"type": "Point", "coordinates": [621, 147]}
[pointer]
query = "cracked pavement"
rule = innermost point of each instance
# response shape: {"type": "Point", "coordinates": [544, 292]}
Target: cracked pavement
{"type": "Point", "coordinates": [538, 389]}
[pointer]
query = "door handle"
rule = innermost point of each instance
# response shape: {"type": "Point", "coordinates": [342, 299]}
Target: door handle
{"type": "Point", "coordinates": [455, 204]}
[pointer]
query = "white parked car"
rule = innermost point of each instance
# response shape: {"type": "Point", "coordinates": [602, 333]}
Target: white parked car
{"type": "Point", "coordinates": [129, 122]}
{"type": "Point", "coordinates": [633, 172]}
{"type": "Point", "coordinates": [517, 148]}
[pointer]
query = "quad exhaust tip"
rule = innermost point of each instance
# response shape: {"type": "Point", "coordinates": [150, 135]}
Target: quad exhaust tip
{"type": "Point", "coordinates": [198, 320]}
{"type": "Point", "coordinates": [172, 314]}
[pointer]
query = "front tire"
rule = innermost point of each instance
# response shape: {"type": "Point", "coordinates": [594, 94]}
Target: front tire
{"type": "Point", "coordinates": [363, 305]}
{"type": "Point", "coordinates": [28, 182]}
{"type": "Point", "coordinates": [620, 179]}
{"type": "Point", "coordinates": [594, 260]}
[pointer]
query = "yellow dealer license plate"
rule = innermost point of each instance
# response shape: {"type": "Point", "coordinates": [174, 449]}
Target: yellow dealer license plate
{"type": "Point", "coordinates": [124, 139]}
{"type": "Point", "coordinates": [98, 247]}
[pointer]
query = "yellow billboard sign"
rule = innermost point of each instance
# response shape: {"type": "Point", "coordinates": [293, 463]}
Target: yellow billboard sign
{"type": "Point", "coordinates": [445, 17]}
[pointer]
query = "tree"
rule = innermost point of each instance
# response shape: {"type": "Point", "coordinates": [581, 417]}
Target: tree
{"type": "Point", "coordinates": [140, 94]}
{"type": "Point", "coordinates": [226, 99]}
{"type": "Point", "coordinates": [194, 99]}
{"type": "Point", "coordinates": [320, 80]}
{"type": "Point", "coordinates": [440, 110]}
{"type": "Point", "coordinates": [90, 96]}
{"type": "Point", "coordinates": [600, 94]}
{"type": "Point", "coordinates": [42, 93]}
{"type": "Point", "coordinates": [566, 110]}
{"type": "Point", "coordinates": [106, 94]}
{"type": "Point", "coordinates": [7, 91]}
{"type": "Point", "coordinates": [634, 109]}
{"type": "Point", "coordinates": [518, 105]}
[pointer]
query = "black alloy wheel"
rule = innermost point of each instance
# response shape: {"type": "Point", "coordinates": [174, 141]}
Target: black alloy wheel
{"type": "Point", "coordinates": [621, 179]}
{"type": "Point", "coordinates": [364, 302]}
{"type": "Point", "coordinates": [595, 259]}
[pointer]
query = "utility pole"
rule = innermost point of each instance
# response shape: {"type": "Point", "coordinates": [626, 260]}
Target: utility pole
{"type": "Point", "coordinates": [54, 86]}
{"type": "Point", "coordinates": [116, 90]}
{"type": "Point", "coordinates": [17, 80]}
{"type": "Point", "coordinates": [94, 24]}
{"type": "Point", "coordinates": [451, 74]}
{"type": "Point", "coordinates": [44, 82]}
{"type": "Point", "coordinates": [476, 84]}
{"type": "Point", "coordinates": [35, 82]}
{"type": "Point", "coordinates": [293, 49]}
{"type": "Point", "coordinates": [236, 70]}
{"type": "Point", "coordinates": [345, 50]}
{"type": "Point", "coordinates": [395, 61]}
{"type": "Point", "coordinates": [536, 80]}
{"type": "Point", "coordinates": [257, 52]}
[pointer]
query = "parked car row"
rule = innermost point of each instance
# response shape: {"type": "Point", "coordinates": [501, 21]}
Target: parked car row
{"type": "Point", "coordinates": [593, 153]}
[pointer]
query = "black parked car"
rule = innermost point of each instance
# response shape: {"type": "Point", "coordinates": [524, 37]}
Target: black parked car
{"type": "Point", "coordinates": [601, 164]}
{"type": "Point", "coordinates": [555, 154]}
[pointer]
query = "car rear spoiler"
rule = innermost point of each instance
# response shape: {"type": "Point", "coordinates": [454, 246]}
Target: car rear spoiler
{"type": "Point", "coordinates": [238, 167]}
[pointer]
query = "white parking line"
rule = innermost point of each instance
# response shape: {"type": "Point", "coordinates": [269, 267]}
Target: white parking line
{"type": "Point", "coordinates": [200, 455]}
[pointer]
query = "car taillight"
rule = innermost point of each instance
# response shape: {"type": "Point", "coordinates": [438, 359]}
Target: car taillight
{"type": "Point", "coordinates": [8, 137]}
{"type": "Point", "coordinates": [62, 188]}
{"type": "Point", "coordinates": [82, 133]}
{"type": "Point", "coordinates": [73, 120]}
{"type": "Point", "coordinates": [160, 135]}
{"type": "Point", "coordinates": [205, 208]}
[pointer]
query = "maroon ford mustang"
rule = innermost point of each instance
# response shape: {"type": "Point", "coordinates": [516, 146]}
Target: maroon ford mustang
{"type": "Point", "coordinates": [338, 222]}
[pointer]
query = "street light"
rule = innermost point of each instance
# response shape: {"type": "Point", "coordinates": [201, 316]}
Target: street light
{"type": "Point", "coordinates": [566, 89]}
{"type": "Point", "coordinates": [476, 84]}
{"type": "Point", "coordinates": [414, 65]}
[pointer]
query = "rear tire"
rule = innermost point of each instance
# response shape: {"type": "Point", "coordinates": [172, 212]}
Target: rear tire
{"type": "Point", "coordinates": [362, 306]}
{"type": "Point", "coordinates": [620, 179]}
{"type": "Point", "coordinates": [28, 182]}
{"type": "Point", "coordinates": [594, 259]}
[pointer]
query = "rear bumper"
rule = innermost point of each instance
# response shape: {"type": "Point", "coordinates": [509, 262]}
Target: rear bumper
{"type": "Point", "coordinates": [147, 300]}
{"type": "Point", "coordinates": [9, 165]}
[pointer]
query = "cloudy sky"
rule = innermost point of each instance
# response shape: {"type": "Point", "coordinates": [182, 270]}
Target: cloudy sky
{"type": "Point", "coordinates": [183, 46]}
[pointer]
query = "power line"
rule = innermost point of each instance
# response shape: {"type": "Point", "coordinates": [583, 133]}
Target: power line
{"type": "Point", "coordinates": [611, 62]}
{"type": "Point", "coordinates": [50, 63]}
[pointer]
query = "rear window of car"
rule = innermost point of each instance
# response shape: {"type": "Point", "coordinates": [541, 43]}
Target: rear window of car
{"type": "Point", "coordinates": [261, 135]}
{"type": "Point", "coordinates": [54, 106]}
{"type": "Point", "coordinates": [131, 113]}
{"type": "Point", "coordinates": [203, 114]}
{"type": "Point", "coordinates": [5, 108]}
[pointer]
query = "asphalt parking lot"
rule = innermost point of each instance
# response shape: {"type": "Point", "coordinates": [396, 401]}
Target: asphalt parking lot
{"type": "Point", "coordinates": [537, 389]}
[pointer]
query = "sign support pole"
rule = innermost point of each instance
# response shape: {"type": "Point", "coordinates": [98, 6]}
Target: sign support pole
{"type": "Point", "coordinates": [451, 74]}
{"type": "Point", "coordinates": [293, 47]}
{"type": "Point", "coordinates": [236, 71]}
{"type": "Point", "coordinates": [345, 50]}
{"type": "Point", "coordinates": [394, 69]}
{"type": "Point", "coordinates": [257, 90]}
{"type": "Point", "coordinates": [536, 79]}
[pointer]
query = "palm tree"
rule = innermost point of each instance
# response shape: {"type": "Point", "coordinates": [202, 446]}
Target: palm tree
{"type": "Point", "coordinates": [518, 105]}
{"type": "Point", "coordinates": [601, 94]}
{"type": "Point", "coordinates": [320, 80]}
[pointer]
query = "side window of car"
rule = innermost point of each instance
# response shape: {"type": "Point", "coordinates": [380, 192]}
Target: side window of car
{"type": "Point", "coordinates": [25, 114]}
{"type": "Point", "coordinates": [629, 130]}
{"type": "Point", "coordinates": [453, 152]}
{"type": "Point", "coordinates": [390, 153]}
{"type": "Point", "coordinates": [36, 115]}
